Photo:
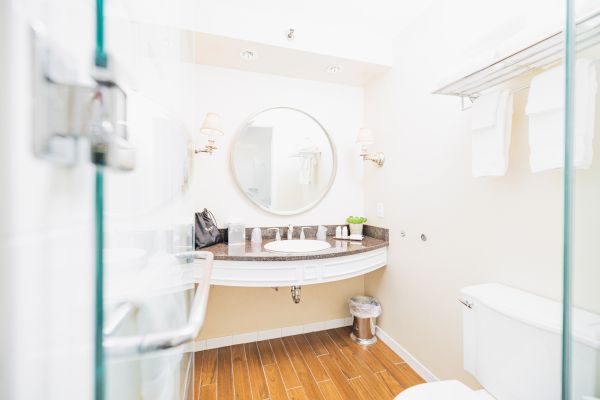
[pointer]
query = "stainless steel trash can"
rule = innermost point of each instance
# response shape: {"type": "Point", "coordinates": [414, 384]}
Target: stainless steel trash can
{"type": "Point", "coordinates": [365, 311]}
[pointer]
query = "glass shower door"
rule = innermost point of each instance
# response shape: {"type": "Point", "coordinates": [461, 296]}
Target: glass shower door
{"type": "Point", "coordinates": [152, 287]}
{"type": "Point", "coordinates": [153, 278]}
{"type": "Point", "coordinates": [98, 294]}
{"type": "Point", "coordinates": [581, 338]}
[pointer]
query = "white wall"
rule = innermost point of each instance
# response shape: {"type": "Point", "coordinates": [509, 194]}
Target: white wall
{"type": "Point", "coordinates": [195, 90]}
{"type": "Point", "coordinates": [506, 230]}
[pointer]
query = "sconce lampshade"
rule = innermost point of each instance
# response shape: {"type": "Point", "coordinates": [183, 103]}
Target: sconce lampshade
{"type": "Point", "coordinates": [365, 137]}
{"type": "Point", "coordinates": [212, 125]}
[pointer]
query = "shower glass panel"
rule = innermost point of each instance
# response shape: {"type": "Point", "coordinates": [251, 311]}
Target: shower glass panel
{"type": "Point", "coordinates": [581, 369]}
{"type": "Point", "coordinates": [143, 228]}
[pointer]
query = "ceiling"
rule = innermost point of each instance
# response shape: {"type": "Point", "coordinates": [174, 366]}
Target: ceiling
{"type": "Point", "coordinates": [386, 17]}
{"type": "Point", "coordinates": [225, 52]}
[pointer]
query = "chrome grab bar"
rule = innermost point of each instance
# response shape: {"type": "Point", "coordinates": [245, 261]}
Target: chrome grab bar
{"type": "Point", "coordinates": [466, 303]}
{"type": "Point", "coordinates": [123, 346]}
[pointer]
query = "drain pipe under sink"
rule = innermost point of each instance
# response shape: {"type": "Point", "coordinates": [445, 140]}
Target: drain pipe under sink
{"type": "Point", "coordinates": [296, 293]}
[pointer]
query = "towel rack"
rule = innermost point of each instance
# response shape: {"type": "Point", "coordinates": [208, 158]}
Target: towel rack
{"type": "Point", "coordinates": [541, 54]}
{"type": "Point", "coordinates": [473, 98]}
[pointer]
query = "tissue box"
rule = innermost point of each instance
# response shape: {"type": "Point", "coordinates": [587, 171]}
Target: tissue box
{"type": "Point", "coordinates": [236, 233]}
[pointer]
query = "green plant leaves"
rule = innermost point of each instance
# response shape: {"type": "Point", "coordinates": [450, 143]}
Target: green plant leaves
{"type": "Point", "coordinates": [356, 220]}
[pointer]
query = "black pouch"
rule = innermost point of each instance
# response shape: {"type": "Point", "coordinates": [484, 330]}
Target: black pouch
{"type": "Point", "coordinates": [207, 232]}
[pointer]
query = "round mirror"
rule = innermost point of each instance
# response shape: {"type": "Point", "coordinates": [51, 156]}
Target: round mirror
{"type": "Point", "coordinates": [283, 160]}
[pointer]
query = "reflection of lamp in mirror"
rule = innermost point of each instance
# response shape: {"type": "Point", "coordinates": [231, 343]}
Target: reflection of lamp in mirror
{"type": "Point", "coordinates": [365, 138]}
{"type": "Point", "coordinates": [211, 126]}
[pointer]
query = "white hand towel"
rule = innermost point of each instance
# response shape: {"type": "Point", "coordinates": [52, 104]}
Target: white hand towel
{"type": "Point", "coordinates": [546, 92]}
{"type": "Point", "coordinates": [485, 110]}
{"type": "Point", "coordinates": [545, 111]}
{"type": "Point", "coordinates": [491, 130]}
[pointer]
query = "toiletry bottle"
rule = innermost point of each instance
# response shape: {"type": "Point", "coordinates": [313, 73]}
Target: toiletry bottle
{"type": "Point", "coordinates": [322, 233]}
{"type": "Point", "coordinates": [338, 232]}
{"type": "Point", "coordinates": [256, 235]}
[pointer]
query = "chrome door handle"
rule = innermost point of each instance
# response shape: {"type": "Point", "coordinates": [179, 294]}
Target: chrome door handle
{"type": "Point", "coordinates": [123, 346]}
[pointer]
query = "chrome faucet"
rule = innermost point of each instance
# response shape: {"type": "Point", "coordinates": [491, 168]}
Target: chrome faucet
{"type": "Point", "coordinates": [290, 233]}
{"type": "Point", "coordinates": [277, 235]}
{"type": "Point", "coordinates": [302, 235]}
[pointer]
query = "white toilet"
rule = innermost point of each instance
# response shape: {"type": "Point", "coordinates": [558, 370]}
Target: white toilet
{"type": "Point", "coordinates": [512, 345]}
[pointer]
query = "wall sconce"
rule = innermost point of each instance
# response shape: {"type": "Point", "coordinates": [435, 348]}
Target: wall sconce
{"type": "Point", "coordinates": [365, 138]}
{"type": "Point", "coordinates": [211, 126]}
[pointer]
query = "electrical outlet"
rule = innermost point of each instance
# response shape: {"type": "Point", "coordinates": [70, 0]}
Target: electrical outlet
{"type": "Point", "coordinates": [380, 210]}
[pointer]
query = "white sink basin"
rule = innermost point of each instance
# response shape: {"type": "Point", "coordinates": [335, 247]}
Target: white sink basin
{"type": "Point", "coordinates": [296, 246]}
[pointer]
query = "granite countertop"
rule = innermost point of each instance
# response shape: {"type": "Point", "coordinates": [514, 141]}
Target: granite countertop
{"type": "Point", "coordinates": [374, 238]}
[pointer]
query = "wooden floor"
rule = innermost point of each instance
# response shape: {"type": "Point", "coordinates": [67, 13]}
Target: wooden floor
{"type": "Point", "coordinates": [320, 365]}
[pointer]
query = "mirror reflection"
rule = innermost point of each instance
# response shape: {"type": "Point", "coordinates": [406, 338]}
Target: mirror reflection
{"type": "Point", "coordinates": [283, 160]}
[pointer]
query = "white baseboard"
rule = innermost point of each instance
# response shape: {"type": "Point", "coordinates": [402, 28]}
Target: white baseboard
{"type": "Point", "coordinates": [406, 356]}
{"type": "Point", "coordinates": [213, 343]}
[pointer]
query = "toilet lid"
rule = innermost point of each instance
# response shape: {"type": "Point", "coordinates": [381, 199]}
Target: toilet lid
{"type": "Point", "coordinates": [443, 390]}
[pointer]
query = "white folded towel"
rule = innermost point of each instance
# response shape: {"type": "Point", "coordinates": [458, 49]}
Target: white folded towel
{"type": "Point", "coordinates": [491, 130]}
{"type": "Point", "coordinates": [545, 111]}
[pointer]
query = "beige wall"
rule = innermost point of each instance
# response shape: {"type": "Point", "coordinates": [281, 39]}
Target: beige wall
{"type": "Point", "coordinates": [506, 230]}
{"type": "Point", "coordinates": [233, 311]}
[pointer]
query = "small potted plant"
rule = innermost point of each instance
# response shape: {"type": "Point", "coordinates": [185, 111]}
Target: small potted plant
{"type": "Point", "coordinates": [356, 224]}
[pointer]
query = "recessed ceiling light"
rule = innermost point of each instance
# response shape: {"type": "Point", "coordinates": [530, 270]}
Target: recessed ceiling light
{"type": "Point", "coordinates": [248, 55]}
{"type": "Point", "coordinates": [334, 69]}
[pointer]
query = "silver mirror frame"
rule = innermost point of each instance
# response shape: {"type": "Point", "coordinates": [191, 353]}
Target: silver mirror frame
{"type": "Point", "coordinates": [237, 181]}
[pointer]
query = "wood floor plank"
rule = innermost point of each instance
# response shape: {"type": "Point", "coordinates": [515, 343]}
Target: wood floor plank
{"type": "Point", "coordinates": [275, 383]}
{"type": "Point", "coordinates": [316, 344]}
{"type": "Point", "coordinates": [311, 389]}
{"type": "Point", "coordinates": [384, 351]}
{"type": "Point", "coordinates": [266, 353]}
{"type": "Point", "coordinates": [389, 382]}
{"type": "Point", "coordinates": [241, 377]}
{"type": "Point", "coordinates": [208, 376]}
{"type": "Point", "coordinates": [208, 392]}
{"type": "Point", "coordinates": [360, 387]}
{"type": "Point", "coordinates": [329, 390]}
{"type": "Point", "coordinates": [311, 358]}
{"type": "Point", "coordinates": [369, 381]}
{"type": "Point", "coordinates": [410, 377]}
{"type": "Point", "coordinates": [290, 379]}
{"type": "Point", "coordinates": [398, 373]}
{"type": "Point", "coordinates": [338, 378]}
{"type": "Point", "coordinates": [260, 390]}
{"type": "Point", "coordinates": [197, 373]}
{"type": "Point", "coordinates": [336, 353]}
{"type": "Point", "coordinates": [289, 369]}
{"type": "Point", "coordinates": [224, 374]}
{"type": "Point", "coordinates": [342, 336]}
{"type": "Point", "coordinates": [298, 394]}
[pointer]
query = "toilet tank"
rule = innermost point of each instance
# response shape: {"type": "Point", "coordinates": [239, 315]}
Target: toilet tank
{"type": "Point", "coordinates": [512, 344]}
